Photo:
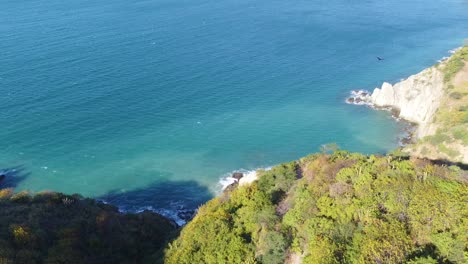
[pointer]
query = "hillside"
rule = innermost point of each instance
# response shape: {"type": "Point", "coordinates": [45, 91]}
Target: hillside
{"type": "Point", "coordinates": [55, 228]}
{"type": "Point", "coordinates": [436, 101]}
{"type": "Point", "coordinates": [335, 208]}
{"type": "Point", "coordinates": [340, 207]}
{"type": "Point", "coordinates": [449, 136]}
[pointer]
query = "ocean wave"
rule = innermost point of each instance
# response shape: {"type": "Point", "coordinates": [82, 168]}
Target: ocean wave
{"type": "Point", "coordinates": [248, 177]}
{"type": "Point", "coordinates": [452, 51]}
{"type": "Point", "coordinates": [176, 212]}
{"type": "Point", "coordinates": [443, 59]}
{"type": "Point", "coordinates": [359, 97]}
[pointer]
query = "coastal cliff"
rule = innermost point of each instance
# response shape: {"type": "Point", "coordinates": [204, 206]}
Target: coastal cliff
{"type": "Point", "coordinates": [416, 98]}
{"type": "Point", "coordinates": [436, 100]}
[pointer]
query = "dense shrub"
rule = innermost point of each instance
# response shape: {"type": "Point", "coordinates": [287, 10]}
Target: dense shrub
{"type": "Point", "coordinates": [455, 64]}
{"type": "Point", "coordinates": [56, 228]}
{"type": "Point", "coordinates": [338, 208]}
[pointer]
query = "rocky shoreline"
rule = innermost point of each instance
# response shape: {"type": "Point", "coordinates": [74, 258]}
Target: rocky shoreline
{"type": "Point", "coordinates": [364, 98]}
{"type": "Point", "coordinates": [432, 105]}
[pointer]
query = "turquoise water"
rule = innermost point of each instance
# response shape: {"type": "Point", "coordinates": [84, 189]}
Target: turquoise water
{"type": "Point", "coordinates": [150, 103]}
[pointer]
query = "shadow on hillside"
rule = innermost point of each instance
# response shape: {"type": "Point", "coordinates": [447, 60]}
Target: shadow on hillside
{"type": "Point", "coordinates": [177, 200]}
{"type": "Point", "coordinates": [449, 163]}
{"type": "Point", "coordinates": [13, 176]}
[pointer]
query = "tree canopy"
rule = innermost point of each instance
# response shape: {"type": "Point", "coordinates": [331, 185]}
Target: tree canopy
{"type": "Point", "coordinates": [335, 208]}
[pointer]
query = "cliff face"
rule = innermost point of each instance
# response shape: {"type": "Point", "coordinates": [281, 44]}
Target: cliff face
{"type": "Point", "coordinates": [417, 98]}
{"type": "Point", "coordinates": [437, 100]}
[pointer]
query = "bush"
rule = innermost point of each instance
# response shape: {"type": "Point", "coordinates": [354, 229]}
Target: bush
{"type": "Point", "coordinates": [438, 138]}
{"type": "Point", "coordinates": [452, 153]}
{"type": "Point", "coordinates": [461, 133]}
{"type": "Point", "coordinates": [6, 193]}
{"type": "Point", "coordinates": [21, 197]}
{"type": "Point", "coordinates": [41, 229]}
{"type": "Point", "coordinates": [348, 208]}
{"type": "Point", "coordinates": [272, 247]}
{"type": "Point", "coordinates": [456, 95]}
{"type": "Point", "coordinates": [455, 64]}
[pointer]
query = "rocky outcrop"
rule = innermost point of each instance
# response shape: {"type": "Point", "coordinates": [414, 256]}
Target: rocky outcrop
{"type": "Point", "coordinates": [416, 98]}
{"type": "Point", "coordinates": [237, 175]}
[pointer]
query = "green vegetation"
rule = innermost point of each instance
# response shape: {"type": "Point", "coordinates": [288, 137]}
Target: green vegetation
{"type": "Point", "coordinates": [452, 115]}
{"type": "Point", "coordinates": [335, 208]}
{"type": "Point", "coordinates": [452, 153]}
{"type": "Point", "coordinates": [455, 64]}
{"type": "Point", "coordinates": [55, 228]}
{"type": "Point", "coordinates": [460, 133]}
{"type": "Point", "coordinates": [456, 95]}
{"type": "Point", "coordinates": [332, 207]}
{"type": "Point", "coordinates": [438, 138]}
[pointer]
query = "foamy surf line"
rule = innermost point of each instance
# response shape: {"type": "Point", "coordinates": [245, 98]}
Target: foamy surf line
{"type": "Point", "coordinates": [181, 214]}
{"type": "Point", "coordinates": [248, 177]}
{"type": "Point", "coordinates": [173, 214]}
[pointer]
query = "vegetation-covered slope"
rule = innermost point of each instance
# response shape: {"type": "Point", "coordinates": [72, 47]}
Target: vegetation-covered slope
{"type": "Point", "coordinates": [450, 141]}
{"type": "Point", "coordinates": [338, 208]}
{"type": "Point", "coordinates": [55, 228]}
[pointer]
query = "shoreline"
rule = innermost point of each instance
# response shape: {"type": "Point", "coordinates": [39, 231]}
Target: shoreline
{"type": "Point", "coordinates": [433, 102]}
{"type": "Point", "coordinates": [407, 136]}
{"type": "Point", "coordinates": [407, 133]}
{"type": "Point", "coordinates": [363, 97]}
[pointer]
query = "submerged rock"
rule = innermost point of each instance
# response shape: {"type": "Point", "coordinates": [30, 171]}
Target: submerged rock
{"type": "Point", "coordinates": [359, 97]}
{"type": "Point", "coordinates": [2, 177]}
{"type": "Point", "coordinates": [186, 214]}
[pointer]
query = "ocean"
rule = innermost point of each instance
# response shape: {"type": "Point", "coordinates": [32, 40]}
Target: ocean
{"type": "Point", "coordinates": [149, 104]}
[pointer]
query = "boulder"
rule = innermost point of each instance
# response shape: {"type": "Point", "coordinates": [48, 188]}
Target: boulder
{"type": "Point", "coordinates": [237, 175]}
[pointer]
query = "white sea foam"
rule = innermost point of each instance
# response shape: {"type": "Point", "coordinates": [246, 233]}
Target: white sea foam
{"type": "Point", "coordinates": [225, 181]}
{"type": "Point", "coordinates": [443, 59]}
{"type": "Point", "coordinates": [452, 51]}
{"type": "Point", "coordinates": [249, 177]}
{"type": "Point", "coordinates": [172, 214]}
{"type": "Point", "coordinates": [359, 97]}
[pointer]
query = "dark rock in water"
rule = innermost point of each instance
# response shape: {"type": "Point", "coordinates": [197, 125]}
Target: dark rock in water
{"type": "Point", "coordinates": [395, 112]}
{"type": "Point", "coordinates": [237, 175]}
{"type": "Point", "coordinates": [2, 177]}
{"type": "Point", "coordinates": [406, 141]}
{"type": "Point", "coordinates": [186, 214]}
{"type": "Point", "coordinates": [359, 97]}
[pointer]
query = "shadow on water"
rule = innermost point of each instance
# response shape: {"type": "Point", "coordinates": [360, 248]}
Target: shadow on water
{"type": "Point", "coordinates": [12, 176]}
{"type": "Point", "coordinates": [177, 200]}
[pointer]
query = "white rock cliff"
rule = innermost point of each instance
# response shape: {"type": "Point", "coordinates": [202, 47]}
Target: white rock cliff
{"type": "Point", "coordinates": [417, 98]}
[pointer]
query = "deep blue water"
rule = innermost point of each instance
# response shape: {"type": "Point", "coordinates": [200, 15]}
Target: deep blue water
{"type": "Point", "coordinates": [154, 101]}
